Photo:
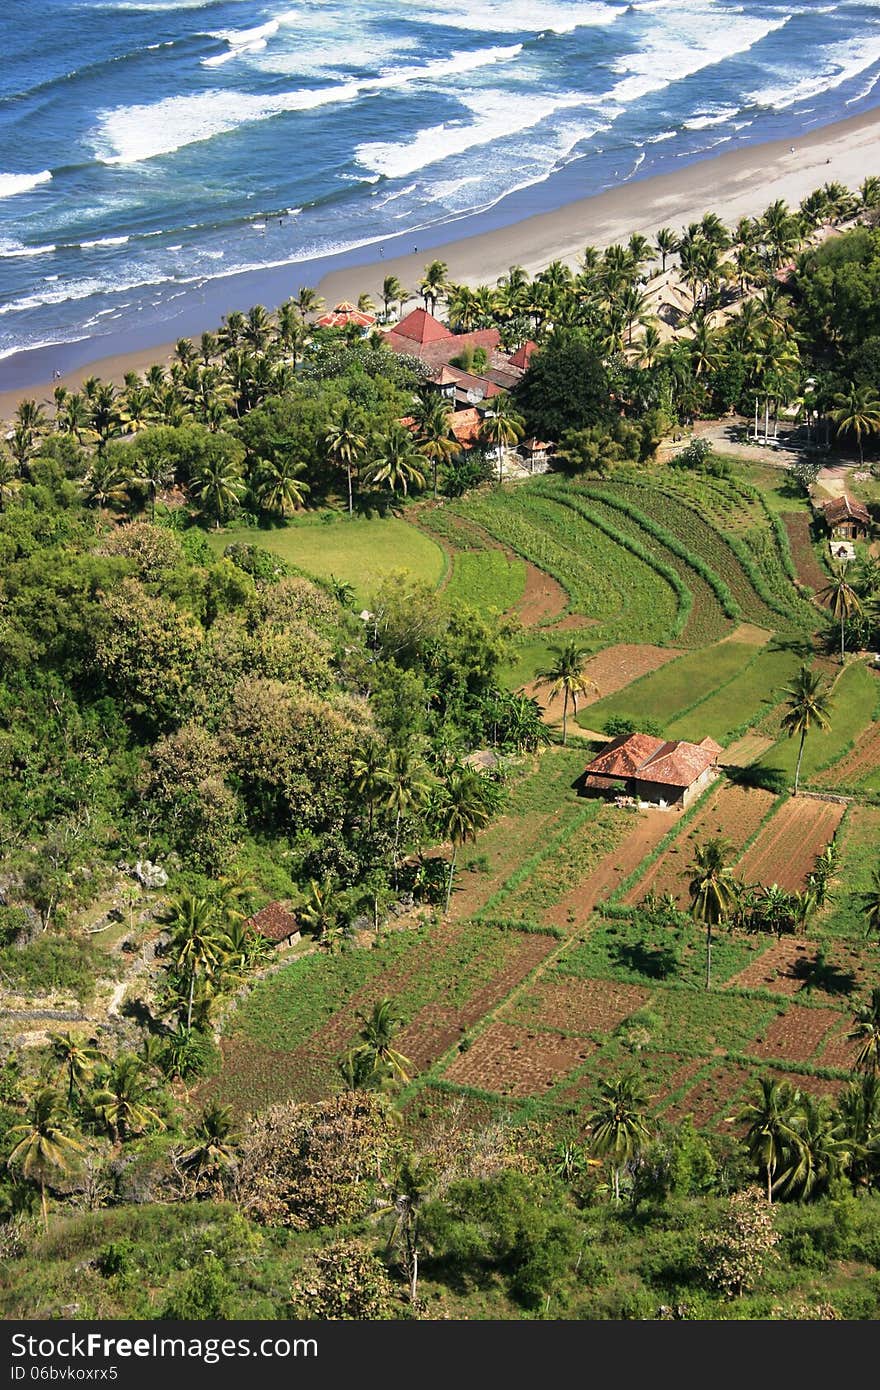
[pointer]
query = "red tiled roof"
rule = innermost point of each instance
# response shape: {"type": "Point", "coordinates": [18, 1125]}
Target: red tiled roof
{"type": "Point", "coordinates": [467, 381]}
{"type": "Point", "coordinates": [343, 314]}
{"type": "Point", "coordinates": [523, 355]}
{"type": "Point", "coordinates": [420, 327]}
{"type": "Point", "coordinates": [846, 508]}
{"type": "Point", "coordinates": [274, 922]}
{"type": "Point", "coordinates": [650, 759]}
{"type": "Point", "coordinates": [465, 425]}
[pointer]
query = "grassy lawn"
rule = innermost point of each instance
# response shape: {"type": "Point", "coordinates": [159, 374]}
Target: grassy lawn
{"type": "Point", "coordinates": [526, 661]}
{"type": "Point", "coordinates": [361, 551]}
{"type": "Point", "coordinates": [854, 703]}
{"type": "Point", "coordinates": [664, 693]}
{"type": "Point", "coordinates": [758, 684]}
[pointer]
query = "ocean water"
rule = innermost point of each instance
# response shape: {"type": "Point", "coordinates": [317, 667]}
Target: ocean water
{"type": "Point", "coordinates": [149, 148]}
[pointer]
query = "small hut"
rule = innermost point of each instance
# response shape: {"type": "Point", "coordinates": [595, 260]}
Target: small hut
{"type": "Point", "coordinates": [847, 519]}
{"type": "Point", "coordinates": [275, 924]}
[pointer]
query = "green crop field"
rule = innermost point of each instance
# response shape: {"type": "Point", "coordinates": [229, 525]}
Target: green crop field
{"type": "Point", "coordinates": [755, 688]}
{"type": "Point", "coordinates": [857, 841]}
{"type": "Point", "coordinates": [674, 688]}
{"type": "Point", "coordinates": [854, 704]}
{"type": "Point", "coordinates": [485, 579]}
{"type": "Point", "coordinates": [360, 551]}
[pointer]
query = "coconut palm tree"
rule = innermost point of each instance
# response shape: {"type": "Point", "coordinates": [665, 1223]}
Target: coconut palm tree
{"type": "Point", "coordinates": [122, 1099]}
{"type": "Point", "coordinates": [618, 1128]}
{"type": "Point", "coordinates": [667, 245]}
{"type": "Point", "coordinates": [308, 301]}
{"type": "Point", "coordinates": [196, 945]}
{"type": "Point", "coordinates": [375, 1048]}
{"type": "Point", "coordinates": [9, 479]}
{"type": "Point", "coordinates": [44, 1144]}
{"type": "Point", "coordinates": [771, 1127]}
{"type": "Point", "coordinates": [321, 909]}
{"type": "Point", "coordinates": [219, 486]}
{"type": "Point", "coordinates": [502, 427]}
{"type": "Point", "coordinates": [278, 486]}
{"type": "Point", "coordinates": [866, 1032]}
{"type": "Point", "coordinates": [807, 705]}
{"type": "Point", "coordinates": [212, 1155]}
{"type": "Point", "coordinates": [434, 438]}
{"type": "Point", "coordinates": [871, 903]}
{"type": "Point", "coordinates": [566, 676]}
{"type": "Point", "coordinates": [433, 284]}
{"type": "Point", "coordinates": [463, 309]}
{"type": "Point", "coordinates": [367, 776]}
{"type": "Point", "coordinates": [857, 412]}
{"type": "Point", "coordinates": [712, 889]}
{"type": "Point", "coordinates": [822, 1151]}
{"type": "Point", "coordinates": [466, 802]}
{"type": "Point", "coordinates": [105, 484]}
{"type": "Point", "coordinates": [406, 784]}
{"type": "Point", "coordinates": [346, 443]}
{"type": "Point", "coordinates": [398, 462]}
{"type": "Point", "coordinates": [76, 1059]}
{"type": "Point", "coordinates": [843, 600]}
{"type": "Point", "coordinates": [393, 293]}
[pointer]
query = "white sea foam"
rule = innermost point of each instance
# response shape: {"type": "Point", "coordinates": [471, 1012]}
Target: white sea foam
{"type": "Point", "coordinates": [497, 117]}
{"type": "Point", "coordinates": [86, 288]}
{"type": "Point", "coordinates": [521, 16]}
{"type": "Point", "coordinates": [840, 63]}
{"type": "Point", "coordinates": [242, 41]}
{"type": "Point", "coordinates": [710, 118]}
{"type": "Point", "coordinates": [129, 134]}
{"type": "Point", "coordinates": [10, 184]}
{"type": "Point", "coordinates": [683, 45]}
{"type": "Point", "coordinates": [10, 250]}
{"type": "Point", "coordinates": [104, 241]}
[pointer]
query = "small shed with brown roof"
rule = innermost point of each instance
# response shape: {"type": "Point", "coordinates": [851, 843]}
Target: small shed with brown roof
{"type": "Point", "coordinates": [276, 924]}
{"type": "Point", "coordinates": [657, 770]}
{"type": "Point", "coordinates": [846, 518]}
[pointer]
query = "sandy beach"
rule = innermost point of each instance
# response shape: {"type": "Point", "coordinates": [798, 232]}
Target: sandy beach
{"type": "Point", "coordinates": [735, 184]}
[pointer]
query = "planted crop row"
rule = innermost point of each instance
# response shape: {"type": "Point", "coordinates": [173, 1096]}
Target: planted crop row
{"type": "Point", "coordinates": [605, 575]}
{"type": "Point", "coordinates": [712, 599]}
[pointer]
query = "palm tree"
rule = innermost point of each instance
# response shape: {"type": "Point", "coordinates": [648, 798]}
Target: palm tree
{"type": "Point", "coordinates": [667, 244]}
{"type": "Point", "coordinates": [213, 1153]}
{"type": "Point", "coordinates": [367, 776]}
{"type": "Point", "coordinates": [375, 1048]}
{"type": "Point", "coordinates": [467, 800]}
{"type": "Point", "coordinates": [409, 1193]}
{"type": "Point", "coordinates": [393, 293]}
{"type": "Point", "coordinates": [866, 1032]}
{"type": "Point", "coordinates": [406, 783]}
{"type": "Point", "coordinates": [857, 412]}
{"type": "Point", "coordinates": [345, 444]}
{"type": "Point", "coordinates": [76, 1060]}
{"type": "Point", "coordinates": [434, 438]}
{"type": "Point", "coordinates": [46, 1144]}
{"type": "Point", "coordinates": [502, 427]}
{"type": "Point", "coordinates": [433, 283]}
{"type": "Point", "coordinates": [219, 487]}
{"type": "Point", "coordinates": [105, 484]}
{"type": "Point", "coordinates": [196, 945]}
{"type": "Point", "coordinates": [871, 903]}
{"type": "Point", "coordinates": [821, 1153]}
{"type": "Point", "coordinates": [618, 1127]}
{"type": "Point", "coordinates": [9, 479]}
{"type": "Point", "coordinates": [566, 677]}
{"type": "Point", "coordinates": [771, 1129]}
{"type": "Point", "coordinates": [807, 704]}
{"type": "Point", "coordinates": [397, 464]}
{"type": "Point", "coordinates": [279, 488]}
{"type": "Point", "coordinates": [843, 600]}
{"type": "Point", "coordinates": [308, 301]}
{"type": "Point", "coordinates": [712, 889]}
{"type": "Point", "coordinates": [121, 1101]}
{"type": "Point", "coordinates": [320, 911]}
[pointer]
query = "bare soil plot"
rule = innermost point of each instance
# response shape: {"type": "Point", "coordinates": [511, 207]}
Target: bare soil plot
{"type": "Point", "coordinates": [506, 843]}
{"type": "Point", "coordinates": [860, 762]}
{"type": "Point", "coordinates": [734, 813]}
{"type": "Point", "coordinates": [712, 1097]}
{"type": "Point", "coordinates": [779, 969]}
{"type": "Point", "coordinates": [620, 665]}
{"type": "Point", "coordinates": [839, 1051]}
{"type": "Point", "coordinates": [787, 846]}
{"type": "Point", "coordinates": [579, 1006]}
{"type": "Point", "coordinates": [544, 599]}
{"type": "Point", "coordinates": [515, 1061]}
{"type": "Point", "coordinates": [575, 907]}
{"type": "Point", "coordinates": [436, 1027]}
{"type": "Point", "coordinates": [807, 567]}
{"type": "Point", "coordinates": [680, 1077]}
{"type": "Point", "coordinates": [795, 1035]}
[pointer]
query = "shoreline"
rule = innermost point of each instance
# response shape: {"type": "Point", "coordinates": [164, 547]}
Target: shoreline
{"type": "Point", "coordinates": [733, 184]}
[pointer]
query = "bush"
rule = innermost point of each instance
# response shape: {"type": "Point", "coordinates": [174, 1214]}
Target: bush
{"type": "Point", "coordinates": [620, 726]}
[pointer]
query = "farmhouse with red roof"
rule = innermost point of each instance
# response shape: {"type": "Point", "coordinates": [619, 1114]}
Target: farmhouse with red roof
{"type": "Point", "coordinates": [653, 769]}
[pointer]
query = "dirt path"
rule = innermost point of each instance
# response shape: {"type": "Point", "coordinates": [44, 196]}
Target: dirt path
{"type": "Point", "coordinates": [575, 907]}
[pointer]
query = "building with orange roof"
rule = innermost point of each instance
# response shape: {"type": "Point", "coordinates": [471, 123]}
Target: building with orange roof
{"type": "Point", "coordinates": [343, 315]}
{"type": "Point", "coordinates": [656, 770]}
{"type": "Point", "coordinates": [423, 336]}
{"type": "Point", "coordinates": [846, 518]}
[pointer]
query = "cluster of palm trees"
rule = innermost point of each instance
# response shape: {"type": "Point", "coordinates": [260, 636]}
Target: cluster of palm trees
{"type": "Point", "coordinates": [853, 597]}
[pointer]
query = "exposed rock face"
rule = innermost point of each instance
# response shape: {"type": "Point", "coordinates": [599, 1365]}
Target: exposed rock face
{"type": "Point", "coordinates": [150, 875]}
